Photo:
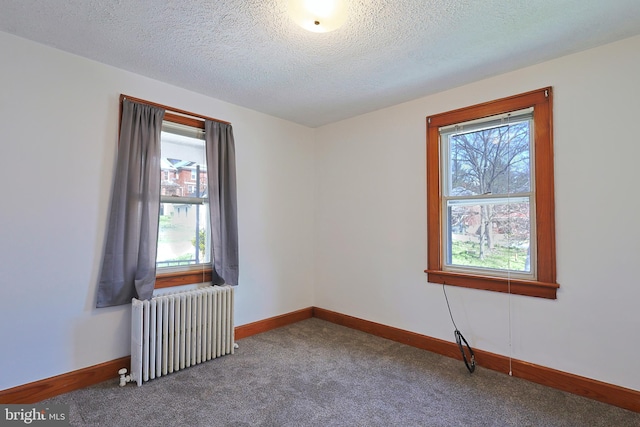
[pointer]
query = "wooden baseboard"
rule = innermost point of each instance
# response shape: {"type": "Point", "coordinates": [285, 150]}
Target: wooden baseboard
{"type": "Point", "coordinates": [50, 387]}
{"type": "Point", "coordinates": [260, 326]}
{"type": "Point", "coordinates": [608, 393]}
{"type": "Point", "coordinates": [582, 386]}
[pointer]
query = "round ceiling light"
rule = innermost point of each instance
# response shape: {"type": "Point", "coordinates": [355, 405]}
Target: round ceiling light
{"type": "Point", "coordinates": [319, 16]}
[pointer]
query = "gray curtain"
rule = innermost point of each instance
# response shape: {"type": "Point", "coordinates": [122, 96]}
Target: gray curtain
{"type": "Point", "coordinates": [221, 167]}
{"type": "Point", "coordinates": [129, 265]}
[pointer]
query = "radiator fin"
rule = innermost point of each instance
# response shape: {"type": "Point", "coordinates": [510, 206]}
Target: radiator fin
{"type": "Point", "coordinates": [175, 331]}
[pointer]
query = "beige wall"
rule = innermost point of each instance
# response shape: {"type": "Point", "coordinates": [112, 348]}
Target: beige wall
{"type": "Point", "coordinates": [371, 221]}
{"type": "Point", "coordinates": [59, 119]}
{"type": "Point", "coordinates": [332, 217]}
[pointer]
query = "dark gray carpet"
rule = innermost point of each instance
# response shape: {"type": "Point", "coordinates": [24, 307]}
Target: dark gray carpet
{"type": "Point", "coordinates": [315, 373]}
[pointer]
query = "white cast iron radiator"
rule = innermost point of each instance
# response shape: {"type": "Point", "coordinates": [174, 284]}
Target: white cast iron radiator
{"type": "Point", "coordinates": [174, 331]}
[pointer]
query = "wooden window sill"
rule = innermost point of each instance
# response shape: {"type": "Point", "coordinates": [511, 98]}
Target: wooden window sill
{"type": "Point", "coordinates": [530, 288]}
{"type": "Point", "coordinates": [179, 278]}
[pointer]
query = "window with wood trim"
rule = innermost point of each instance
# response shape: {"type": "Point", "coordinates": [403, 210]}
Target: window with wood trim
{"type": "Point", "coordinates": [184, 241]}
{"type": "Point", "coordinates": [490, 196]}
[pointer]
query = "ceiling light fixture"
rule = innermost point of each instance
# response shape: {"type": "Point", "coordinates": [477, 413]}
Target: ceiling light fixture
{"type": "Point", "coordinates": [319, 16]}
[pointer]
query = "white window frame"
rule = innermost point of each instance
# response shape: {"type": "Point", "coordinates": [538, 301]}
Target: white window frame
{"type": "Point", "coordinates": [445, 179]}
{"type": "Point", "coordinates": [196, 133]}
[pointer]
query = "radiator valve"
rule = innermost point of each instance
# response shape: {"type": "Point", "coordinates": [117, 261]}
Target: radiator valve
{"type": "Point", "coordinates": [124, 378]}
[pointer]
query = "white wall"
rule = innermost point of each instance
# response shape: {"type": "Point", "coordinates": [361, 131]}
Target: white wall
{"type": "Point", "coordinates": [371, 221]}
{"type": "Point", "coordinates": [58, 124]}
{"type": "Point", "coordinates": [346, 214]}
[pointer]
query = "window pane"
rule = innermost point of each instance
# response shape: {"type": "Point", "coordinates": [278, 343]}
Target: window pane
{"type": "Point", "coordinates": [183, 235]}
{"type": "Point", "coordinates": [183, 228]}
{"type": "Point", "coordinates": [489, 235]}
{"type": "Point", "coordinates": [490, 161]}
{"type": "Point", "coordinates": [183, 166]}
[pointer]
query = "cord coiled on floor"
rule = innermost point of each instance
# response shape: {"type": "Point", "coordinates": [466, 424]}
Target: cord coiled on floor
{"type": "Point", "coordinates": [468, 356]}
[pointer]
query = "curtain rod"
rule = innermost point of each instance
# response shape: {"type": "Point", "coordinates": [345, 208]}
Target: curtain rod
{"type": "Point", "coordinates": [171, 109]}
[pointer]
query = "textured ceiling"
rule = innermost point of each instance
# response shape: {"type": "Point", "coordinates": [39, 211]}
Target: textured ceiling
{"type": "Point", "coordinates": [250, 53]}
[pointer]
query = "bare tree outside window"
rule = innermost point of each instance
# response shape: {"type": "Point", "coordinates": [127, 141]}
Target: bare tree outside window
{"type": "Point", "coordinates": [488, 196]}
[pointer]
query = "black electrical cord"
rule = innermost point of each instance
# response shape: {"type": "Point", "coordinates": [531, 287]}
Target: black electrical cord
{"type": "Point", "coordinates": [469, 359]}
